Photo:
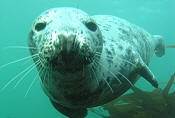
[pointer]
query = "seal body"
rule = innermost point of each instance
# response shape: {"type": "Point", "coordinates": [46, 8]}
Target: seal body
{"type": "Point", "coordinates": [86, 61]}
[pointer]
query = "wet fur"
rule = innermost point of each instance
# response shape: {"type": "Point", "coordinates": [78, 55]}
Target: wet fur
{"type": "Point", "coordinates": [123, 49]}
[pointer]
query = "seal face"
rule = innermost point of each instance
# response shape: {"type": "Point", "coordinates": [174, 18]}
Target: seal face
{"type": "Point", "coordinates": [85, 61]}
{"type": "Point", "coordinates": [63, 43]}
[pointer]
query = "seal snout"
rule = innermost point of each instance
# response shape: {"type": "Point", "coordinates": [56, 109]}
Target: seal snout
{"type": "Point", "coordinates": [52, 48]}
{"type": "Point", "coordinates": [67, 43]}
{"type": "Point", "coordinates": [66, 50]}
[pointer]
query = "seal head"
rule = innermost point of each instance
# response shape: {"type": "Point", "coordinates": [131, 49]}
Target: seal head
{"type": "Point", "coordinates": [66, 42]}
{"type": "Point", "coordinates": [86, 61]}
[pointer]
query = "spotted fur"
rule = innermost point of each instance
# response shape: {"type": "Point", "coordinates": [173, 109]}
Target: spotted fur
{"type": "Point", "coordinates": [120, 50]}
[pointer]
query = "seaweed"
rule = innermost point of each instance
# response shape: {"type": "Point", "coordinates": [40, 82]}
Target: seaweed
{"type": "Point", "coordinates": [143, 104]}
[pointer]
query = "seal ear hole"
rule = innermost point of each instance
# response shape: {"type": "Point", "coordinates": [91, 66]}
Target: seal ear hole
{"type": "Point", "coordinates": [91, 26]}
{"type": "Point", "coordinates": [40, 26]}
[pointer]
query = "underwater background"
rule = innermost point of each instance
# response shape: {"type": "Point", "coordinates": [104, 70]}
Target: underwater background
{"type": "Point", "coordinates": [16, 17]}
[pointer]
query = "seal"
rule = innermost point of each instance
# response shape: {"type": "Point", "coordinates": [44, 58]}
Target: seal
{"type": "Point", "coordinates": [86, 61]}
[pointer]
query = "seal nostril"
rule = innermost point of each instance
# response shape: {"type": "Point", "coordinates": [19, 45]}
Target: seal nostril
{"type": "Point", "coordinates": [40, 26]}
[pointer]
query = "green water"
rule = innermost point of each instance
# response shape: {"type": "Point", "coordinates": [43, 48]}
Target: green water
{"type": "Point", "coordinates": [16, 16]}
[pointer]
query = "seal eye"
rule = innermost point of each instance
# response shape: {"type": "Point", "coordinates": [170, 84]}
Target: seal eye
{"type": "Point", "coordinates": [91, 26]}
{"type": "Point", "coordinates": [40, 26]}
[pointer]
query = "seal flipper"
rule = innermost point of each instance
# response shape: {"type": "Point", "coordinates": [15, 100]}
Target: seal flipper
{"type": "Point", "coordinates": [146, 73]}
{"type": "Point", "coordinates": [70, 112]}
{"type": "Point", "coordinates": [159, 45]}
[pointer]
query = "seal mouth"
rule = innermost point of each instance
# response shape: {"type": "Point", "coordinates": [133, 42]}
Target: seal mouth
{"type": "Point", "coordinates": [70, 62]}
{"type": "Point", "coordinates": [66, 53]}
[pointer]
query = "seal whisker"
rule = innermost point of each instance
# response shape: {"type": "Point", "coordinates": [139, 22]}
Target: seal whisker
{"type": "Point", "coordinates": [83, 73]}
{"type": "Point", "coordinates": [99, 46]}
{"type": "Point", "coordinates": [74, 42]}
{"type": "Point", "coordinates": [41, 72]}
{"type": "Point", "coordinates": [97, 53]}
{"type": "Point", "coordinates": [129, 62]}
{"type": "Point", "coordinates": [51, 70]}
{"type": "Point", "coordinates": [48, 75]}
{"type": "Point", "coordinates": [19, 47]}
{"type": "Point", "coordinates": [111, 73]}
{"type": "Point", "coordinates": [14, 78]}
{"type": "Point", "coordinates": [16, 61]}
{"type": "Point", "coordinates": [90, 74]}
{"type": "Point", "coordinates": [108, 85]}
{"type": "Point", "coordinates": [119, 74]}
{"type": "Point", "coordinates": [28, 71]}
{"type": "Point", "coordinates": [92, 68]}
{"type": "Point", "coordinates": [45, 75]}
{"type": "Point", "coordinates": [88, 60]}
{"type": "Point", "coordinates": [105, 81]}
{"type": "Point", "coordinates": [125, 78]}
{"type": "Point", "coordinates": [30, 86]}
{"type": "Point", "coordinates": [42, 61]}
